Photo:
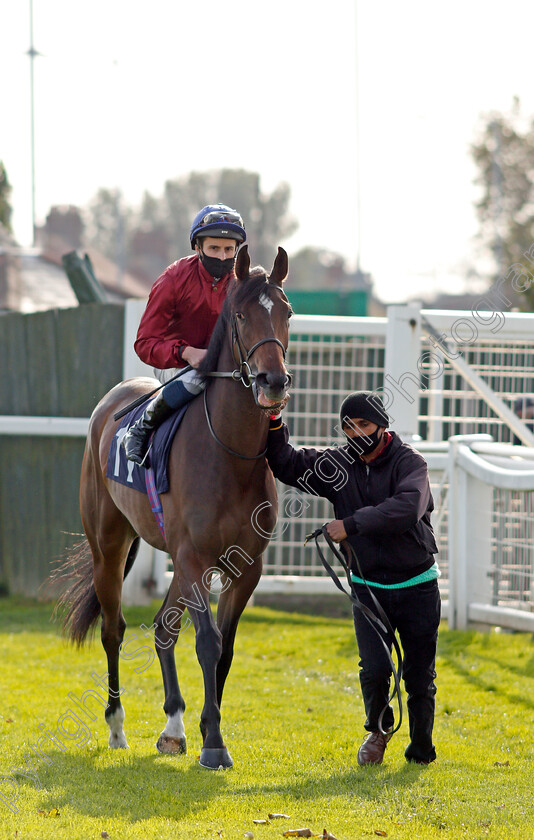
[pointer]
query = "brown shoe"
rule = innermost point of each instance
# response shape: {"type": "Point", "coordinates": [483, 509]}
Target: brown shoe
{"type": "Point", "coordinates": [373, 748]}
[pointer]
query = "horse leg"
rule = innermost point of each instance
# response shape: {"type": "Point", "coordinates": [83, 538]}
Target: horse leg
{"type": "Point", "coordinates": [232, 602]}
{"type": "Point", "coordinates": [214, 753]}
{"type": "Point", "coordinates": [168, 624]}
{"type": "Point", "coordinates": [208, 642]}
{"type": "Point", "coordinates": [111, 547]}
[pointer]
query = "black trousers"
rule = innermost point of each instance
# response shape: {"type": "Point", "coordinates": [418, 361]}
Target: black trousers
{"type": "Point", "coordinates": [414, 613]}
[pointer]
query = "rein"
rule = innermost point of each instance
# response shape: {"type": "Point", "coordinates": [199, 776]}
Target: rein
{"type": "Point", "coordinates": [241, 374]}
{"type": "Point", "coordinates": [378, 621]}
{"type": "Point", "coordinates": [227, 448]}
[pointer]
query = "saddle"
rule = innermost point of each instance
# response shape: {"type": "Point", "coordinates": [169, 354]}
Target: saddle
{"type": "Point", "coordinates": [126, 472]}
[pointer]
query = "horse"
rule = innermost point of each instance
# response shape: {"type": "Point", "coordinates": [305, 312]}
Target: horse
{"type": "Point", "coordinates": [218, 513]}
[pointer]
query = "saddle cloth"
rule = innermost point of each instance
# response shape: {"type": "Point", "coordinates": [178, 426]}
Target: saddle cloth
{"type": "Point", "coordinates": [131, 474]}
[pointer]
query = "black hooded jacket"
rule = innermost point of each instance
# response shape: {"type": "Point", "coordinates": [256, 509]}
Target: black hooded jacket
{"type": "Point", "coordinates": [385, 505]}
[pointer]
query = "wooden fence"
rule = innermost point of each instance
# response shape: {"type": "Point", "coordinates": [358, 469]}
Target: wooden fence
{"type": "Point", "coordinates": [57, 363]}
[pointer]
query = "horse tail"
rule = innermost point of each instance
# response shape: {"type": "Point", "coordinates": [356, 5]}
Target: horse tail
{"type": "Point", "coordinates": [79, 606]}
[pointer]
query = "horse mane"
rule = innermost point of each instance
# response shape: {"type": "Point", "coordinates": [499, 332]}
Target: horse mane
{"type": "Point", "coordinates": [240, 294]}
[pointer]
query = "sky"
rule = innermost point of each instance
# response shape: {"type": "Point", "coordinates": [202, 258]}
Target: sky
{"type": "Point", "coordinates": [366, 109]}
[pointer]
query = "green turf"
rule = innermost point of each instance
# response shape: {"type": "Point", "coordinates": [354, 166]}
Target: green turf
{"type": "Point", "coordinates": [292, 719]}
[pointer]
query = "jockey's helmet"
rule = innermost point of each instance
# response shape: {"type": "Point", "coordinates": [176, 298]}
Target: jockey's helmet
{"type": "Point", "coordinates": [219, 221]}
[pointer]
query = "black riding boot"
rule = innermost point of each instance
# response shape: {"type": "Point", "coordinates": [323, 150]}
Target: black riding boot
{"type": "Point", "coordinates": [135, 441]}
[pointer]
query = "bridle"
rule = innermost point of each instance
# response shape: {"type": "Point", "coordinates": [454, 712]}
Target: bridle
{"type": "Point", "coordinates": [241, 374]}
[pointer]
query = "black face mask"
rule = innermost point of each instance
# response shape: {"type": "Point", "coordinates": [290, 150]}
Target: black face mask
{"type": "Point", "coordinates": [217, 268]}
{"type": "Point", "coordinates": [365, 444]}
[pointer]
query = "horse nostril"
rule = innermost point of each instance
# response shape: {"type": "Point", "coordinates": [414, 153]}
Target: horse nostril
{"type": "Point", "coordinates": [273, 382]}
{"type": "Point", "coordinates": [277, 381]}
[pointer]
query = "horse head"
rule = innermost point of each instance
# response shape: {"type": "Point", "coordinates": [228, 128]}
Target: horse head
{"type": "Point", "coordinates": [260, 328]}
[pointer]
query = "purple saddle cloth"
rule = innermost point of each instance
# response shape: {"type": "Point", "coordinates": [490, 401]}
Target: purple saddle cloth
{"type": "Point", "coordinates": [126, 472]}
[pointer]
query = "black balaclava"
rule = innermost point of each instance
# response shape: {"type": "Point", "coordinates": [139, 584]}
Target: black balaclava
{"type": "Point", "coordinates": [363, 444]}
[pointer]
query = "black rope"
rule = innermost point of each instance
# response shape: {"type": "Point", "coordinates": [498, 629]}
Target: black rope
{"type": "Point", "coordinates": [376, 620]}
{"type": "Point", "coordinates": [216, 439]}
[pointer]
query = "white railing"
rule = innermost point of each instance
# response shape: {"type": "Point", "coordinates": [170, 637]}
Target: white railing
{"type": "Point", "coordinates": [329, 357]}
{"type": "Point", "coordinates": [491, 534]}
{"type": "Point", "coordinates": [425, 393]}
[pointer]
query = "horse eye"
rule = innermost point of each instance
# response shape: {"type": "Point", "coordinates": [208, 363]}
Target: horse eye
{"type": "Point", "coordinates": [240, 316]}
{"type": "Point", "coordinates": [290, 314]}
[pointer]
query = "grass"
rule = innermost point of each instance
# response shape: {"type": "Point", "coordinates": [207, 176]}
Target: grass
{"type": "Point", "coordinates": [292, 719]}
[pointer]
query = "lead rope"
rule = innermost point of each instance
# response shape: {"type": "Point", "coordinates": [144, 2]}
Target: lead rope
{"type": "Point", "coordinates": [380, 621]}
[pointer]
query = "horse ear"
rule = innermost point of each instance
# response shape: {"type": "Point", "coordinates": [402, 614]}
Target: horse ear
{"type": "Point", "coordinates": [242, 265]}
{"type": "Point", "coordinates": [280, 268]}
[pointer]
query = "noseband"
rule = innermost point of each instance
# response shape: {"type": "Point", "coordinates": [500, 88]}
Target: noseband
{"type": "Point", "coordinates": [241, 374]}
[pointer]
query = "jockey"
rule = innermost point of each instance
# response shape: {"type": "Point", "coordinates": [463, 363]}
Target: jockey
{"type": "Point", "coordinates": [182, 309]}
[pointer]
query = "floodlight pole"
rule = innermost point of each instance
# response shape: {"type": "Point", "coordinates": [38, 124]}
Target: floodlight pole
{"type": "Point", "coordinates": [32, 54]}
{"type": "Point", "coordinates": [357, 158]}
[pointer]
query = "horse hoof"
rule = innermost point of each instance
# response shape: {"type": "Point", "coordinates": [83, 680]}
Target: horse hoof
{"type": "Point", "coordinates": [117, 741]}
{"type": "Point", "coordinates": [215, 759]}
{"type": "Point", "coordinates": [168, 744]}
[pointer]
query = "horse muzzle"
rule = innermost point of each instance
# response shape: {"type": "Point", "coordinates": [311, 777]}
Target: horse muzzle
{"type": "Point", "coordinates": [270, 389]}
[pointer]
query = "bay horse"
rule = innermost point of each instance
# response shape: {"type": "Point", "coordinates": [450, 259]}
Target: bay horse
{"type": "Point", "coordinates": [219, 510]}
